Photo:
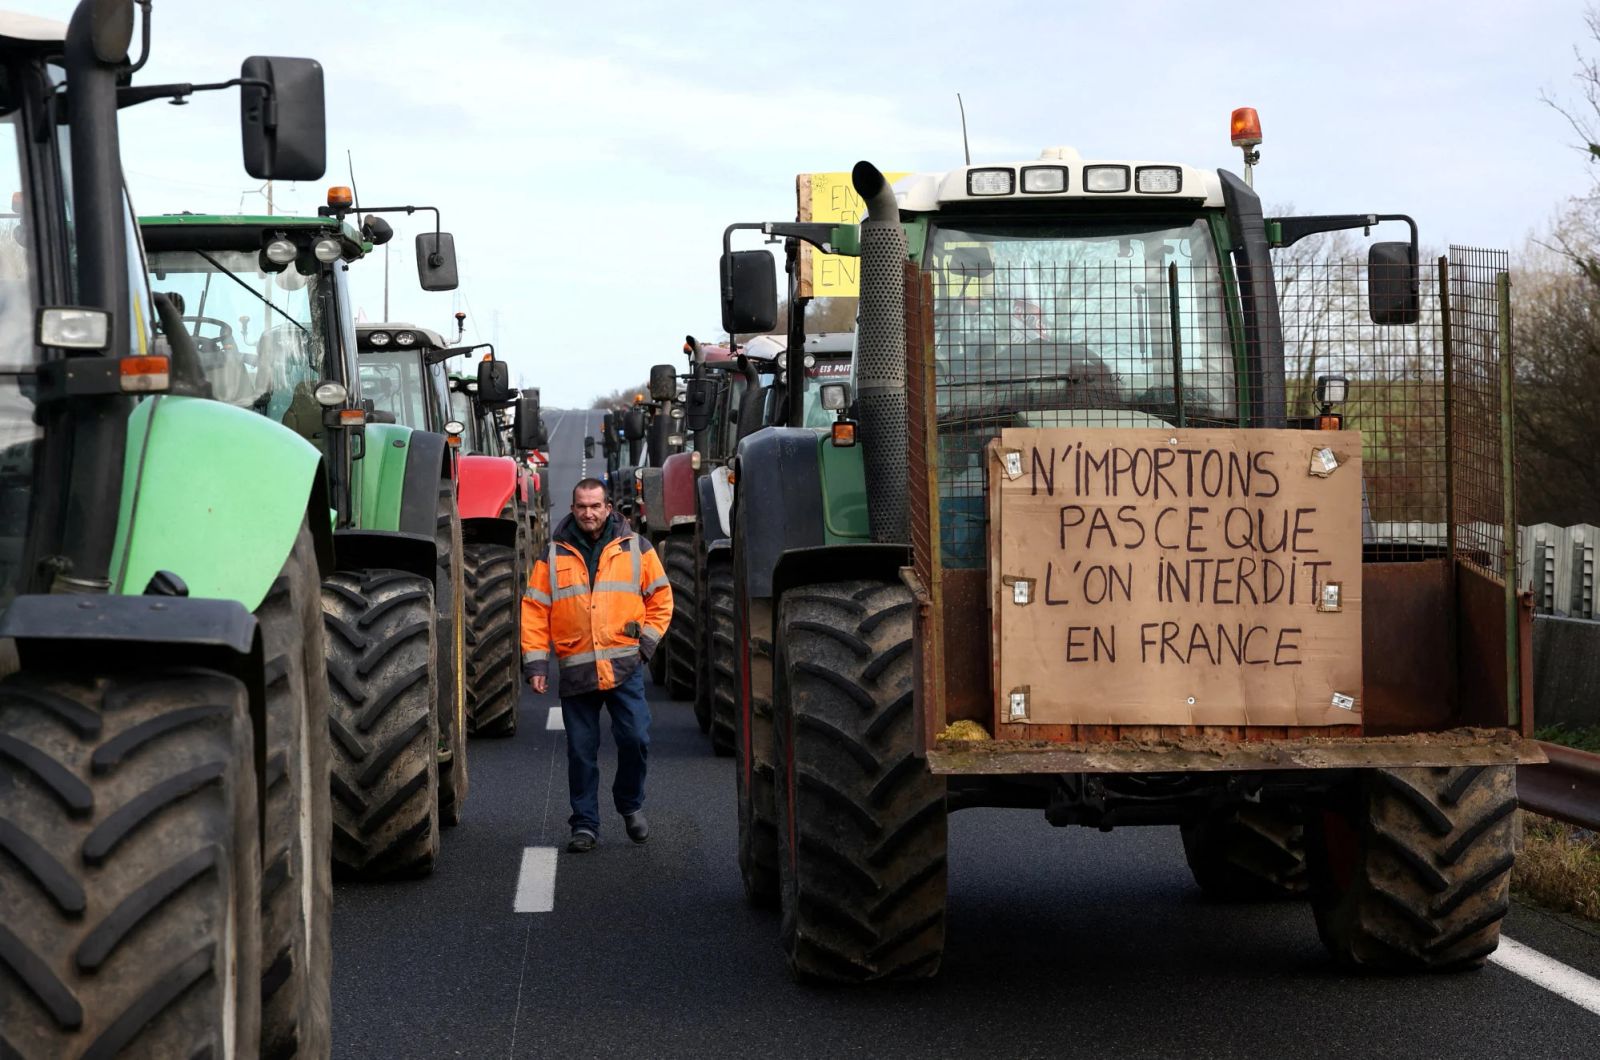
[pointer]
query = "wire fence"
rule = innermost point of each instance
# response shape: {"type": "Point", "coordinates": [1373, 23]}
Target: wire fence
{"type": "Point", "coordinates": [1479, 286]}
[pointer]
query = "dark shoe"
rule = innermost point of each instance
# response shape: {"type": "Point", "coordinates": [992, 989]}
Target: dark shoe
{"type": "Point", "coordinates": [638, 828]}
{"type": "Point", "coordinates": [582, 842]}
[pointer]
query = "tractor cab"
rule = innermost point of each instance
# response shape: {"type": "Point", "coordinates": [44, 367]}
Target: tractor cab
{"type": "Point", "coordinates": [403, 374]}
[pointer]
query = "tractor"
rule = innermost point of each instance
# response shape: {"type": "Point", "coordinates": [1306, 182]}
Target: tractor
{"type": "Point", "coordinates": [267, 302]}
{"type": "Point", "coordinates": [406, 364]}
{"type": "Point", "coordinates": [972, 589]}
{"type": "Point", "coordinates": [163, 709]}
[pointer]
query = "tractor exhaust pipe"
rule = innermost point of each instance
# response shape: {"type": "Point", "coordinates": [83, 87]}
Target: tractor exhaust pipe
{"type": "Point", "coordinates": [881, 358]}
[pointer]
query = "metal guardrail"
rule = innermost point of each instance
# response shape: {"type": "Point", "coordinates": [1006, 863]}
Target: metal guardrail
{"type": "Point", "coordinates": [1566, 788]}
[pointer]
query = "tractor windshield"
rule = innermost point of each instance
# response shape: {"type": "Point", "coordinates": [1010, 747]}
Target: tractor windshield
{"type": "Point", "coordinates": [394, 380]}
{"type": "Point", "coordinates": [260, 334]}
{"type": "Point", "coordinates": [1101, 322]}
{"type": "Point", "coordinates": [461, 411]}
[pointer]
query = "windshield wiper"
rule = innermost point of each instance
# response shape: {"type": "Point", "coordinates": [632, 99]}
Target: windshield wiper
{"type": "Point", "coordinates": [229, 274]}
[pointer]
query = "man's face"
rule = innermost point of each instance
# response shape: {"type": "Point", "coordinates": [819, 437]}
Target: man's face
{"type": "Point", "coordinates": [590, 508]}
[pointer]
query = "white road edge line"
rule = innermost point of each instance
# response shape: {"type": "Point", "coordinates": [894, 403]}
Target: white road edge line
{"type": "Point", "coordinates": [1575, 986]}
{"type": "Point", "coordinates": [554, 720]}
{"type": "Point", "coordinates": [536, 882]}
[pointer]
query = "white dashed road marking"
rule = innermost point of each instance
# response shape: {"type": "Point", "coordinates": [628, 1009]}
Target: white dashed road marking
{"type": "Point", "coordinates": [554, 720]}
{"type": "Point", "coordinates": [536, 882]}
{"type": "Point", "coordinates": [1576, 987]}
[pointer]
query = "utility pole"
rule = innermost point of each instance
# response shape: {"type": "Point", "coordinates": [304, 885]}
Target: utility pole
{"type": "Point", "coordinates": [269, 198]}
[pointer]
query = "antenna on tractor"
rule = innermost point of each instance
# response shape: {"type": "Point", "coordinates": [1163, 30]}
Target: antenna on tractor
{"type": "Point", "coordinates": [355, 192]}
{"type": "Point", "coordinates": [965, 150]}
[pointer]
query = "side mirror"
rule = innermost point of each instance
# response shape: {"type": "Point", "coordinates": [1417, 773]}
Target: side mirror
{"type": "Point", "coordinates": [588, 448]}
{"type": "Point", "coordinates": [284, 130]}
{"type": "Point", "coordinates": [436, 261]}
{"type": "Point", "coordinates": [494, 382]}
{"type": "Point", "coordinates": [525, 431]}
{"type": "Point", "coordinates": [1394, 286]}
{"type": "Point", "coordinates": [663, 382]}
{"type": "Point", "coordinates": [633, 425]}
{"type": "Point", "coordinates": [750, 292]}
{"type": "Point", "coordinates": [699, 401]}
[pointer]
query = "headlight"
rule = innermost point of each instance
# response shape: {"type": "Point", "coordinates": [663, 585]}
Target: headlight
{"type": "Point", "coordinates": [809, 361]}
{"type": "Point", "coordinates": [472, 388]}
{"type": "Point", "coordinates": [74, 329]}
{"type": "Point", "coordinates": [281, 251]}
{"type": "Point", "coordinates": [454, 427]}
{"type": "Point", "coordinates": [835, 396]}
{"type": "Point", "coordinates": [378, 338]}
{"type": "Point", "coordinates": [1105, 178]}
{"type": "Point", "coordinates": [1040, 180]}
{"type": "Point", "coordinates": [327, 249]}
{"type": "Point", "coordinates": [990, 181]}
{"type": "Point", "coordinates": [331, 395]}
{"type": "Point", "coordinates": [1159, 180]}
{"type": "Point", "coordinates": [405, 338]}
{"type": "Point", "coordinates": [1332, 389]}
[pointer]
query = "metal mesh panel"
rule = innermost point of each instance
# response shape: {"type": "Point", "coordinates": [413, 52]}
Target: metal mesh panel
{"type": "Point", "coordinates": [1479, 507]}
{"type": "Point", "coordinates": [919, 408]}
{"type": "Point", "coordinates": [1395, 391]}
{"type": "Point", "coordinates": [1069, 333]}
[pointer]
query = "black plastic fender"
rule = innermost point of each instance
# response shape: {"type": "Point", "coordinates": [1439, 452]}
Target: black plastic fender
{"type": "Point", "coordinates": [386, 549]}
{"type": "Point", "coordinates": [713, 534]}
{"type": "Point", "coordinates": [490, 531]}
{"type": "Point", "coordinates": [777, 501]}
{"type": "Point", "coordinates": [427, 461]}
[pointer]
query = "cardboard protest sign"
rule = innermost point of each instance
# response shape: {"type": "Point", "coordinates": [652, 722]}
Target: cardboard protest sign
{"type": "Point", "coordinates": [1176, 576]}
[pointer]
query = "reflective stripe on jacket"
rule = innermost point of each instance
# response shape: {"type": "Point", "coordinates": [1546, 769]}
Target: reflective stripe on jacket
{"type": "Point", "coordinates": [598, 634]}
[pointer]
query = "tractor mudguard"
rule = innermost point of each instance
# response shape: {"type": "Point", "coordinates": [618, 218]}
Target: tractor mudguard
{"type": "Point", "coordinates": [486, 484]}
{"type": "Point", "coordinates": [836, 563]}
{"type": "Point", "coordinates": [427, 462]}
{"type": "Point", "coordinates": [386, 549]}
{"type": "Point", "coordinates": [215, 494]}
{"type": "Point", "coordinates": [713, 521]}
{"type": "Point", "coordinates": [653, 498]}
{"type": "Point", "coordinates": [677, 490]}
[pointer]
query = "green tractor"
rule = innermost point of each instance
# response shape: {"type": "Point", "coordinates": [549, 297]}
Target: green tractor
{"type": "Point", "coordinates": [163, 710]}
{"type": "Point", "coordinates": [405, 366]}
{"type": "Point", "coordinates": [267, 303]}
{"type": "Point", "coordinates": [915, 638]}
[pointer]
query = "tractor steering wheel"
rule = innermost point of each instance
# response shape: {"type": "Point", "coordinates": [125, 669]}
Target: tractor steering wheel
{"type": "Point", "coordinates": [206, 344]}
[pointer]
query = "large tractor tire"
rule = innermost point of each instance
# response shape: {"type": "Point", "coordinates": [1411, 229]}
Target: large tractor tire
{"type": "Point", "coordinates": [719, 646]}
{"type": "Point", "coordinates": [450, 656]}
{"type": "Point", "coordinates": [752, 758]}
{"type": "Point", "coordinates": [494, 603]}
{"type": "Point", "coordinates": [1411, 870]}
{"type": "Point", "coordinates": [130, 887]}
{"type": "Point", "coordinates": [683, 640]}
{"type": "Point", "coordinates": [296, 883]}
{"type": "Point", "coordinates": [385, 730]}
{"type": "Point", "coordinates": [1249, 853]}
{"type": "Point", "coordinates": [861, 822]}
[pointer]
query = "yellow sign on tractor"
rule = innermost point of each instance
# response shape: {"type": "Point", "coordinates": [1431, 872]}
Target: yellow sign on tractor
{"type": "Point", "coordinates": [829, 197]}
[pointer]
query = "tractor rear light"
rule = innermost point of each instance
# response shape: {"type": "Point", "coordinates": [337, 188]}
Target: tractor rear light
{"type": "Point", "coordinates": [1330, 421]}
{"type": "Point", "coordinates": [331, 395]}
{"type": "Point", "coordinates": [1244, 128]}
{"type": "Point", "coordinates": [844, 433]}
{"type": "Point", "coordinates": [352, 417]}
{"type": "Point", "coordinates": [327, 250]}
{"type": "Point", "coordinates": [281, 251]}
{"type": "Point", "coordinates": [1159, 180]}
{"type": "Point", "coordinates": [1105, 178]}
{"type": "Point", "coordinates": [990, 181]}
{"type": "Point", "coordinates": [74, 329]}
{"type": "Point", "coordinates": [142, 375]}
{"type": "Point", "coordinates": [1042, 180]}
{"type": "Point", "coordinates": [378, 338]}
{"type": "Point", "coordinates": [405, 338]}
{"type": "Point", "coordinates": [694, 460]}
{"type": "Point", "coordinates": [675, 440]}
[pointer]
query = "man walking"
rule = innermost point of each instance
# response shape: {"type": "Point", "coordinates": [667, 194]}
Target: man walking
{"type": "Point", "coordinates": [598, 604]}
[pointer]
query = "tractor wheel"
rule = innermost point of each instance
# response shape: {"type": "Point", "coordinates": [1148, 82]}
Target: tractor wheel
{"type": "Point", "coordinates": [719, 651]}
{"type": "Point", "coordinates": [1249, 853]}
{"type": "Point", "coordinates": [752, 753]}
{"type": "Point", "coordinates": [385, 730]}
{"type": "Point", "coordinates": [296, 882]}
{"type": "Point", "coordinates": [449, 653]}
{"type": "Point", "coordinates": [861, 822]}
{"type": "Point", "coordinates": [130, 894]}
{"type": "Point", "coordinates": [494, 604]}
{"type": "Point", "coordinates": [1412, 870]}
{"type": "Point", "coordinates": [677, 556]}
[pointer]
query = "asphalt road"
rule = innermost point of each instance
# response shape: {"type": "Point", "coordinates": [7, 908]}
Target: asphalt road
{"type": "Point", "coordinates": [1062, 942]}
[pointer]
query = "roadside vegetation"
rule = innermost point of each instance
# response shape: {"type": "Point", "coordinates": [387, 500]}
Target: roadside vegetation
{"type": "Point", "coordinates": [1558, 866]}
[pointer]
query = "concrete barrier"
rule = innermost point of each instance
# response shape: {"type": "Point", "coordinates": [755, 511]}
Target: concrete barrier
{"type": "Point", "coordinates": [1566, 671]}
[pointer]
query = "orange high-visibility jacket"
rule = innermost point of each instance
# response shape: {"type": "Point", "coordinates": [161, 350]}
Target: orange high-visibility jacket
{"type": "Point", "coordinates": [598, 634]}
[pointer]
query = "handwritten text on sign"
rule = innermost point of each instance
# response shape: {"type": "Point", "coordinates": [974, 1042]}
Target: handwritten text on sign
{"type": "Point", "coordinates": [832, 197]}
{"type": "Point", "coordinates": [1177, 577]}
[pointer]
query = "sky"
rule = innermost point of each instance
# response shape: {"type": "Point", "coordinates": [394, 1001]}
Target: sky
{"type": "Point", "coordinates": [587, 156]}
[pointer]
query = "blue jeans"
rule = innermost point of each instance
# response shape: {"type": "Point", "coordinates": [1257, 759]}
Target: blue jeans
{"type": "Point", "coordinates": [630, 728]}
